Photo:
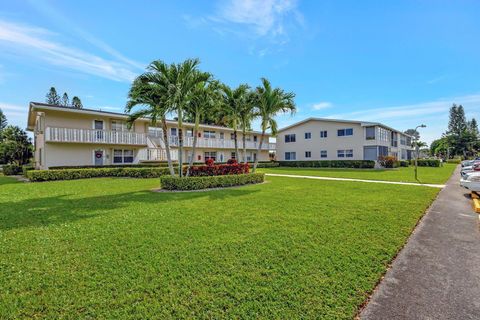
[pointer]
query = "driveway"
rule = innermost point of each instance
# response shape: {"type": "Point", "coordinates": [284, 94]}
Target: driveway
{"type": "Point", "coordinates": [437, 274]}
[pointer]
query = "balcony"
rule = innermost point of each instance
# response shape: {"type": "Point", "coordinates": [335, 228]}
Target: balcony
{"type": "Point", "coordinates": [54, 134]}
{"type": "Point", "coordinates": [156, 154]}
{"type": "Point", "coordinates": [219, 143]}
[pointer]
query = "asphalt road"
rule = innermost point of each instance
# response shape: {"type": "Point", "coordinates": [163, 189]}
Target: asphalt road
{"type": "Point", "coordinates": [437, 274]}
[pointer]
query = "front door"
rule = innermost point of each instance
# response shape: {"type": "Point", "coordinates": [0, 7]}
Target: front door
{"type": "Point", "coordinates": [98, 126]}
{"type": "Point", "coordinates": [99, 157]}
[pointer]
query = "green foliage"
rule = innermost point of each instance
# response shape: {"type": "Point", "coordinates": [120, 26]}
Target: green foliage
{"type": "Point", "coordinates": [15, 146]}
{"type": "Point", "coordinates": [65, 100]}
{"type": "Point", "coordinates": [454, 160]}
{"type": "Point", "coordinates": [267, 164]}
{"type": "Point", "coordinates": [426, 162]}
{"type": "Point", "coordinates": [71, 174]}
{"type": "Point", "coordinates": [462, 137]}
{"type": "Point", "coordinates": [11, 169]}
{"type": "Point", "coordinates": [329, 163]}
{"type": "Point", "coordinates": [77, 103]}
{"type": "Point", "coordinates": [52, 97]}
{"type": "Point", "coordinates": [403, 163]}
{"type": "Point", "coordinates": [3, 121]}
{"type": "Point", "coordinates": [206, 182]}
{"type": "Point", "coordinates": [388, 162]}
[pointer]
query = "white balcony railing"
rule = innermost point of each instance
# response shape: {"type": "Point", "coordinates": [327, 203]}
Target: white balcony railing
{"type": "Point", "coordinates": [219, 143]}
{"type": "Point", "coordinates": [54, 134]}
{"type": "Point", "coordinates": [156, 154]}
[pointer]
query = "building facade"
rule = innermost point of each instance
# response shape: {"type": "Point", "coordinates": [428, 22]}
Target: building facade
{"type": "Point", "coordinates": [329, 139]}
{"type": "Point", "coordinates": [65, 136]}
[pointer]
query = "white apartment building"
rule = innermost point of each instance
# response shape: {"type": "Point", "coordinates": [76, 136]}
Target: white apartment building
{"type": "Point", "coordinates": [65, 136]}
{"type": "Point", "coordinates": [331, 139]}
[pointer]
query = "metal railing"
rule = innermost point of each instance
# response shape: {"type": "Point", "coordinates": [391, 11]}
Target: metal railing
{"type": "Point", "coordinates": [54, 134]}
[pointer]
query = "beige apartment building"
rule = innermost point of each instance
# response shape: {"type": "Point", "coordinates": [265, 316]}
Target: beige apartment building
{"type": "Point", "coordinates": [330, 139]}
{"type": "Point", "coordinates": [65, 136]}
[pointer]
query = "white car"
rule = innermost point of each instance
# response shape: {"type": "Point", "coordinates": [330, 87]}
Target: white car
{"type": "Point", "coordinates": [472, 168]}
{"type": "Point", "coordinates": [471, 181]}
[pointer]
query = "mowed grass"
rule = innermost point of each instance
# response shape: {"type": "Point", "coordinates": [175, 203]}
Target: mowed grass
{"type": "Point", "coordinates": [425, 174]}
{"type": "Point", "coordinates": [111, 248]}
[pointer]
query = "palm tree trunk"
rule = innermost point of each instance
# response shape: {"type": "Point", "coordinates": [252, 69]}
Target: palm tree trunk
{"type": "Point", "coordinates": [235, 140]}
{"type": "Point", "coordinates": [258, 151]}
{"type": "Point", "coordinates": [244, 146]}
{"type": "Point", "coordinates": [167, 146]}
{"type": "Point", "coordinates": [180, 143]}
{"type": "Point", "coordinates": [194, 146]}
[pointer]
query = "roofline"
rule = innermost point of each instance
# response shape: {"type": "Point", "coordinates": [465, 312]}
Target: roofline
{"type": "Point", "coordinates": [362, 123]}
{"type": "Point", "coordinates": [45, 106]}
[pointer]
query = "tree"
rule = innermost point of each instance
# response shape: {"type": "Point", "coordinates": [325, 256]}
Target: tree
{"type": "Point", "coordinates": [149, 90]}
{"type": "Point", "coordinates": [15, 146]}
{"type": "Point", "coordinates": [65, 100]}
{"type": "Point", "coordinates": [413, 133]}
{"type": "Point", "coordinates": [246, 115]}
{"type": "Point", "coordinates": [202, 100]}
{"type": "Point", "coordinates": [52, 97]}
{"type": "Point", "coordinates": [3, 120]}
{"type": "Point", "coordinates": [233, 101]}
{"type": "Point", "coordinates": [457, 124]}
{"type": "Point", "coordinates": [77, 103]}
{"type": "Point", "coordinates": [270, 102]}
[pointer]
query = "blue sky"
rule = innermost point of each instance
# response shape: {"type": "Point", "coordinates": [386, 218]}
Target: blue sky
{"type": "Point", "coordinates": [398, 62]}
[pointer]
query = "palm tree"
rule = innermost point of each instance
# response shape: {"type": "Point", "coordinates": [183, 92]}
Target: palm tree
{"type": "Point", "coordinates": [246, 115]}
{"type": "Point", "coordinates": [149, 91]}
{"type": "Point", "coordinates": [233, 101]}
{"type": "Point", "coordinates": [270, 102]}
{"type": "Point", "coordinates": [203, 98]}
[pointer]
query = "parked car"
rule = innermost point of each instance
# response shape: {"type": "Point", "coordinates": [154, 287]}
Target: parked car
{"type": "Point", "coordinates": [467, 163]}
{"type": "Point", "coordinates": [474, 167]}
{"type": "Point", "coordinates": [471, 181]}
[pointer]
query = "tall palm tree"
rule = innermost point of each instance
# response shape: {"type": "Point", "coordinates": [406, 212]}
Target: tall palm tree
{"type": "Point", "coordinates": [149, 91]}
{"type": "Point", "coordinates": [246, 115]}
{"type": "Point", "coordinates": [233, 100]}
{"type": "Point", "coordinates": [203, 98]}
{"type": "Point", "coordinates": [270, 102]}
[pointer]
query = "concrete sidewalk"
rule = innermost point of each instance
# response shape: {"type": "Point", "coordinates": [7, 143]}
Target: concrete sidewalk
{"type": "Point", "coordinates": [437, 274]}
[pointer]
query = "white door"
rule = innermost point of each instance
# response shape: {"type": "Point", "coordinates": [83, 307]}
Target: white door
{"type": "Point", "coordinates": [98, 157]}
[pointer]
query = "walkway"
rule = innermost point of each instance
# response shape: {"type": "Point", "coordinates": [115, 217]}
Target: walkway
{"type": "Point", "coordinates": [437, 274]}
{"type": "Point", "coordinates": [357, 180]}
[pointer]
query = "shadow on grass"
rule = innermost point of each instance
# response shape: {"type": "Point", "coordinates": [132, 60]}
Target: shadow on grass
{"type": "Point", "coordinates": [8, 180]}
{"type": "Point", "coordinates": [61, 209]}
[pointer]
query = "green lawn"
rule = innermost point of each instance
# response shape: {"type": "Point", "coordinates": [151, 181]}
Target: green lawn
{"type": "Point", "coordinates": [425, 174]}
{"type": "Point", "coordinates": [111, 248]}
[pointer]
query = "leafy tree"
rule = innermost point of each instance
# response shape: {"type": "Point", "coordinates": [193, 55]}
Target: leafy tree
{"type": "Point", "coordinates": [15, 146]}
{"type": "Point", "coordinates": [77, 103]}
{"type": "Point", "coordinates": [52, 97]}
{"type": "Point", "coordinates": [65, 100]}
{"type": "Point", "coordinates": [3, 120]}
{"type": "Point", "coordinates": [270, 102]}
{"type": "Point", "coordinates": [413, 133]}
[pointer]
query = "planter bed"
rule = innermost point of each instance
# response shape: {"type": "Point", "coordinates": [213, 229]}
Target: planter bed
{"type": "Point", "coordinates": [208, 182]}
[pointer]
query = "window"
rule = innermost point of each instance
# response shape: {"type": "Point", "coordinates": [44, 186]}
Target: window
{"type": "Point", "coordinates": [383, 134]}
{"type": "Point", "coordinates": [233, 155]}
{"type": "Point", "coordinates": [403, 140]}
{"type": "Point", "coordinates": [122, 156]}
{"type": "Point", "coordinates": [210, 155]}
{"type": "Point", "coordinates": [345, 132]}
{"type": "Point", "coordinates": [308, 135]}
{"type": "Point", "coordinates": [340, 153]}
{"type": "Point", "coordinates": [370, 133]}
{"type": "Point", "coordinates": [232, 136]}
{"type": "Point", "coordinates": [248, 138]}
{"type": "Point", "coordinates": [222, 135]}
{"type": "Point", "coordinates": [254, 138]}
{"type": "Point", "coordinates": [173, 132]}
{"type": "Point", "coordinates": [189, 133]}
{"type": "Point", "coordinates": [290, 137]}
{"type": "Point", "coordinates": [308, 154]}
{"type": "Point", "coordinates": [349, 153]}
{"type": "Point", "coordinates": [323, 134]}
{"type": "Point", "coordinates": [290, 156]}
{"type": "Point", "coordinates": [209, 134]}
{"type": "Point", "coordinates": [118, 125]}
{"type": "Point", "coordinates": [323, 153]}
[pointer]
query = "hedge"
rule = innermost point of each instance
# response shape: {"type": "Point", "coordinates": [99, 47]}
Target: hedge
{"type": "Point", "coordinates": [70, 174]}
{"type": "Point", "coordinates": [330, 164]}
{"type": "Point", "coordinates": [197, 183]}
{"type": "Point", "coordinates": [269, 164]}
{"type": "Point", "coordinates": [11, 169]}
{"type": "Point", "coordinates": [426, 162]}
{"type": "Point", "coordinates": [403, 163]}
{"type": "Point", "coordinates": [454, 161]}
{"type": "Point", "coordinates": [217, 170]}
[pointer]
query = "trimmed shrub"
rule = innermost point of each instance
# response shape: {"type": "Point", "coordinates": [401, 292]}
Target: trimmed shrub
{"type": "Point", "coordinates": [270, 164]}
{"type": "Point", "coordinates": [197, 183]}
{"type": "Point", "coordinates": [403, 163]}
{"type": "Point", "coordinates": [426, 162]}
{"type": "Point", "coordinates": [70, 174]}
{"type": "Point", "coordinates": [11, 169]}
{"type": "Point", "coordinates": [388, 162]}
{"type": "Point", "coordinates": [27, 168]}
{"type": "Point", "coordinates": [454, 160]}
{"type": "Point", "coordinates": [218, 170]}
{"type": "Point", "coordinates": [329, 164]}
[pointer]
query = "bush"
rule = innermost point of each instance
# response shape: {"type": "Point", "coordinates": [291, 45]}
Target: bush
{"type": "Point", "coordinates": [232, 161]}
{"type": "Point", "coordinates": [218, 170]}
{"type": "Point", "coordinates": [454, 160]}
{"type": "Point", "coordinates": [27, 168]}
{"type": "Point", "coordinates": [197, 183]}
{"type": "Point", "coordinates": [388, 161]}
{"type": "Point", "coordinates": [403, 163]}
{"type": "Point", "coordinates": [12, 169]}
{"type": "Point", "coordinates": [270, 164]}
{"type": "Point", "coordinates": [426, 162]}
{"type": "Point", "coordinates": [329, 164]}
{"type": "Point", "coordinates": [70, 174]}
{"type": "Point", "coordinates": [210, 162]}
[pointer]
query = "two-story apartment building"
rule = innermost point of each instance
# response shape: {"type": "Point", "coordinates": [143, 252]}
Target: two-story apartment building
{"type": "Point", "coordinates": [65, 136]}
{"type": "Point", "coordinates": [330, 139]}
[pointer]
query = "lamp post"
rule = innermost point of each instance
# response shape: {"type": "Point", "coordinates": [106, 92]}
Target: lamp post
{"type": "Point", "coordinates": [417, 151]}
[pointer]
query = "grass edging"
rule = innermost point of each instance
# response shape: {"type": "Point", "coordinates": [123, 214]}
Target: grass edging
{"type": "Point", "coordinates": [208, 182]}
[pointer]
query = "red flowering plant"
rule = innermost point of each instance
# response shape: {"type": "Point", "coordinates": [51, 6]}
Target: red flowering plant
{"type": "Point", "coordinates": [210, 162]}
{"type": "Point", "coordinates": [232, 161]}
{"type": "Point", "coordinates": [211, 169]}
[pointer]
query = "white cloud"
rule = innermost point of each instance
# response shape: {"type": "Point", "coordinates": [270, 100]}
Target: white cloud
{"type": "Point", "coordinates": [35, 42]}
{"type": "Point", "coordinates": [321, 105]}
{"type": "Point", "coordinates": [16, 114]}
